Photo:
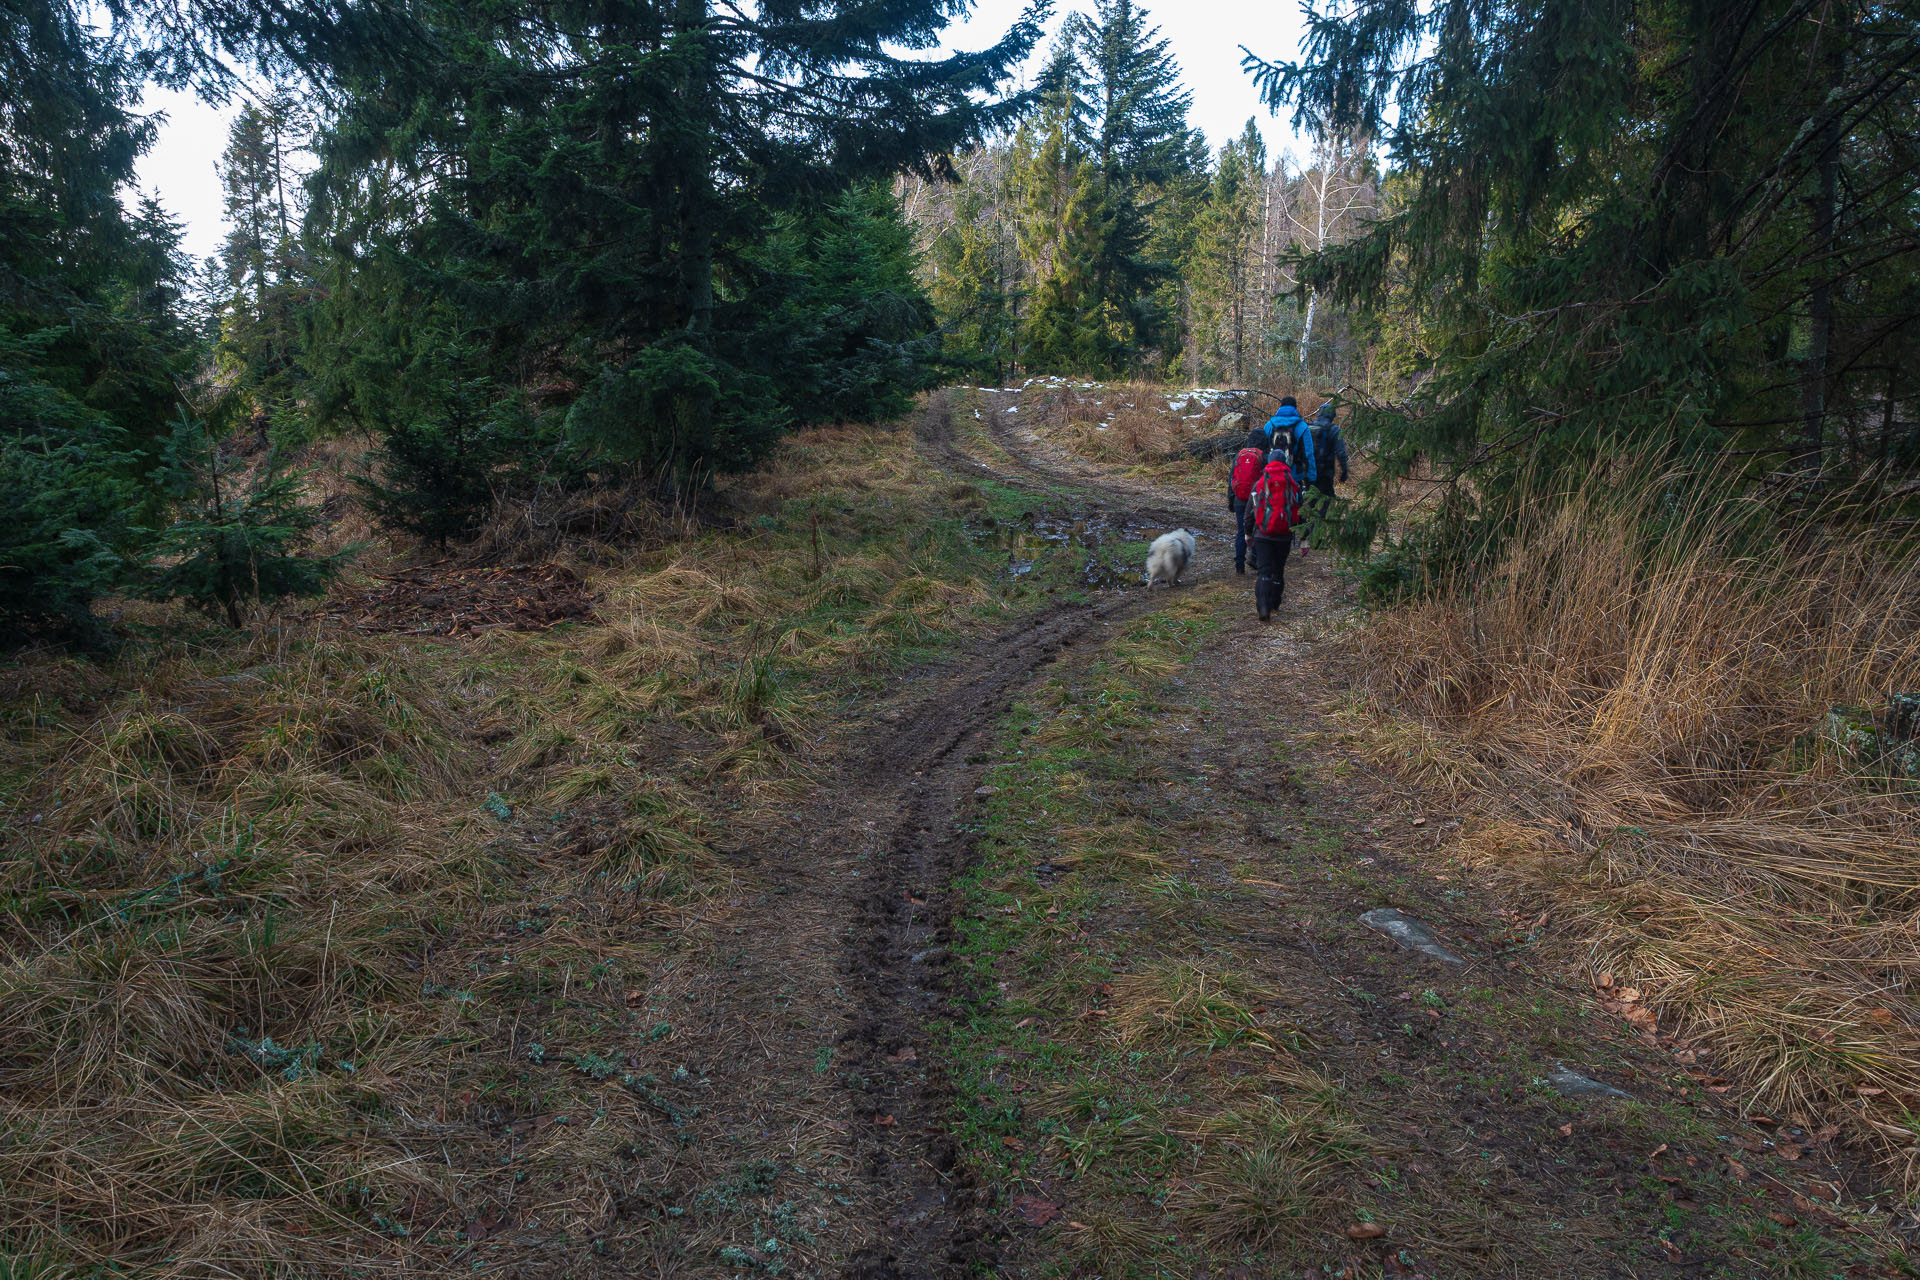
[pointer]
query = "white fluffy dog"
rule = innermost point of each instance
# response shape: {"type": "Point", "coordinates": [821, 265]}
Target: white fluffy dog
{"type": "Point", "coordinates": [1167, 558]}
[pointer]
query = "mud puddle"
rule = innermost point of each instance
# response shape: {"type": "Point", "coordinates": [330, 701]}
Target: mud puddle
{"type": "Point", "coordinates": [1098, 543]}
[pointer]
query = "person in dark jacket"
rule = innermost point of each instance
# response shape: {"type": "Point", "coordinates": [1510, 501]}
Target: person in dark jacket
{"type": "Point", "coordinates": [1237, 503]}
{"type": "Point", "coordinates": [1329, 451]}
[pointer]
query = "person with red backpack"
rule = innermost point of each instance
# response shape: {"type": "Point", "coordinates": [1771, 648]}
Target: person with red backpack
{"type": "Point", "coordinates": [1272, 511]}
{"type": "Point", "coordinates": [1246, 471]}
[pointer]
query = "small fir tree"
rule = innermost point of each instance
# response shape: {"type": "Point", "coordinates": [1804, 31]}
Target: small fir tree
{"type": "Point", "coordinates": [234, 540]}
{"type": "Point", "coordinates": [450, 449]}
{"type": "Point", "coordinates": [68, 494]}
{"type": "Point", "coordinates": [863, 332]}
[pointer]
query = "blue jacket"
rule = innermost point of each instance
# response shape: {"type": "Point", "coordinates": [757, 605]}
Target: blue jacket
{"type": "Point", "coordinates": [1287, 429]}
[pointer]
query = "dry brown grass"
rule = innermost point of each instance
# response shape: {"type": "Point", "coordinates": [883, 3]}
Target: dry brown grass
{"type": "Point", "coordinates": [215, 890]}
{"type": "Point", "coordinates": [281, 915]}
{"type": "Point", "coordinates": [1636, 724]}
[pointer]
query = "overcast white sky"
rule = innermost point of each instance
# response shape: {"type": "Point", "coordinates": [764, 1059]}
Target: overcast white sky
{"type": "Point", "coordinates": [1206, 36]}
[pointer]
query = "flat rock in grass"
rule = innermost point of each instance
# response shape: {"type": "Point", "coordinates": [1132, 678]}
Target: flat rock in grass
{"type": "Point", "coordinates": [1569, 1083]}
{"type": "Point", "coordinates": [1409, 933]}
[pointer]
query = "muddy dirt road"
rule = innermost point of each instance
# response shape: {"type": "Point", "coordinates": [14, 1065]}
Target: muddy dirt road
{"type": "Point", "coordinates": [921, 770]}
{"type": "Point", "coordinates": [1498, 1124]}
{"type": "Point", "coordinates": [919, 775]}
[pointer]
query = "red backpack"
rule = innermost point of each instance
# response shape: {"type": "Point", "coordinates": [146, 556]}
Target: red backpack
{"type": "Point", "coordinates": [1246, 470]}
{"type": "Point", "coordinates": [1276, 502]}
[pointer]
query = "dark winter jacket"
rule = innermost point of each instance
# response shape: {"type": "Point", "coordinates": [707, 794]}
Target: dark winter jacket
{"type": "Point", "coordinates": [1288, 430]}
{"type": "Point", "coordinates": [1329, 447]}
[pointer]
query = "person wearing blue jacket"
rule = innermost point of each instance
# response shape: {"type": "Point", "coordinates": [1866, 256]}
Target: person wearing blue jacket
{"type": "Point", "coordinates": [1288, 430]}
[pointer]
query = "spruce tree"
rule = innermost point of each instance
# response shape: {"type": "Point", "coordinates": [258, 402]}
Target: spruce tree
{"type": "Point", "coordinates": [1112, 107]}
{"type": "Point", "coordinates": [261, 347]}
{"type": "Point", "coordinates": [1073, 324]}
{"type": "Point", "coordinates": [1062, 227]}
{"type": "Point", "coordinates": [1672, 233]}
{"type": "Point", "coordinates": [860, 324]}
{"type": "Point", "coordinates": [454, 440]}
{"type": "Point", "coordinates": [234, 539]}
{"type": "Point", "coordinates": [1137, 109]}
{"type": "Point", "coordinates": [608, 180]}
{"type": "Point", "coordinates": [93, 338]}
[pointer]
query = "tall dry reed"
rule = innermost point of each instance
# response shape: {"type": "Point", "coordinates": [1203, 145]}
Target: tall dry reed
{"type": "Point", "coordinates": [1636, 718]}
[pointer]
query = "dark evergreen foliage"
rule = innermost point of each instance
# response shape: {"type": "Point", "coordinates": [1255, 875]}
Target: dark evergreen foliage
{"type": "Point", "coordinates": [453, 439]}
{"type": "Point", "coordinates": [93, 345]}
{"type": "Point", "coordinates": [266, 287]}
{"type": "Point", "coordinates": [1632, 233]}
{"type": "Point", "coordinates": [626, 207]}
{"type": "Point", "coordinates": [67, 489]}
{"type": "Point", "coordinates": [1108, 149]}
{"type": "Point", "coordinates": [234, 539]}
{"type": "Point", "coordinates": [859, 324]}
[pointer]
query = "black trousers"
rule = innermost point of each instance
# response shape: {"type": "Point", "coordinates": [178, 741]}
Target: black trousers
{"type": "Point", "coordinates": [1239, 534]}
{"type": "Point", "coordinates": [1270, 563]}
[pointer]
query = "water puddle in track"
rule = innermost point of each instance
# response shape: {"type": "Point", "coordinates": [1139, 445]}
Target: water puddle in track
{"type": "Point", "coordinates": [1101, 546]}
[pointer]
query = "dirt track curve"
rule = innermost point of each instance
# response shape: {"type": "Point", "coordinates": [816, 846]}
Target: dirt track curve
{"type": "Point", "coordinates": [899, 820]}
{"type": "Point", "coordinates": [919, 778]}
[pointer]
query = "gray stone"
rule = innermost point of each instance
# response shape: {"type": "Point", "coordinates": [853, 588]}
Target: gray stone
{"type": "Point", "coordinates": [1569, 1083]}
{"type": "Point", "coordinates": [1232, 422]}
{"type": "Point", "coordinates": [1409, 933]}
{"type": "Point", "coordinates": [1887, 748]}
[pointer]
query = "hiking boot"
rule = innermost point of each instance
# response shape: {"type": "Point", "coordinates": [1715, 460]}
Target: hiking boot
{"type": "Point", "coordinates": [1266, 617]}
{"type": "Point", "coordinates": [1240, 569]}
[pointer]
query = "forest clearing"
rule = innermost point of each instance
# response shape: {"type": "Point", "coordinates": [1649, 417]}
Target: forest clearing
{"type": "Point", "coordinates": [838, 640]}
{"type": "Point", "coordinates": [919, 895]}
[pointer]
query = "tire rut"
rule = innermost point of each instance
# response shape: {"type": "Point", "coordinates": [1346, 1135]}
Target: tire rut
{"type": "Point", "coordinates": [917, 787]}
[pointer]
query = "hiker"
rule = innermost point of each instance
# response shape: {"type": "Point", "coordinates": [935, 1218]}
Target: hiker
{"type": "Point", "coordinates": [1247, 466]}
{"type": "Point", "coordinates": [1287, 430]}
{"type": "Point", "coordinates": [1272, 510]}
{"type": "Point", "coordinates": [1329, 449]}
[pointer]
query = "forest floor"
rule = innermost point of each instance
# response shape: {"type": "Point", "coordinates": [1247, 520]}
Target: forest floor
{"type": "Point", "coordinates": [1040, 940]}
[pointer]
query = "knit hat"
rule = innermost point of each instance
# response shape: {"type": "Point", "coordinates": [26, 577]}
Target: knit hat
{"type": "Point", "coordinates": [1326, 412]}
{"type": "Point", "coordinates": [1288, 402]}
{"type": "Point", "coordinates": [1278, 455]}
{"type": "Point", "coordinates": [1256, 439]}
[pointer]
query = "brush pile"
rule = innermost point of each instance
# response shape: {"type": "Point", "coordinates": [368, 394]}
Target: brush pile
{"type": "Point", "coordinates": [446, 602]}
{"type": "Point", "coordinates": [1638, 723]}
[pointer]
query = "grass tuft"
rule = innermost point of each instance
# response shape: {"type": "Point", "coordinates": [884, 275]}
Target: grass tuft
{"type": "Point", "coordinates": [1189, 1004]}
